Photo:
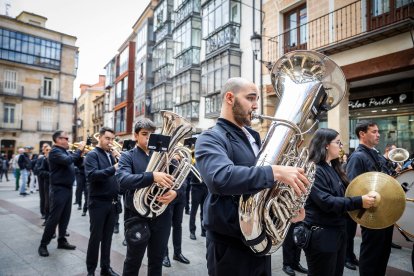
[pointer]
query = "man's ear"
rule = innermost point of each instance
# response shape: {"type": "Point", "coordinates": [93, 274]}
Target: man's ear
{"type": "Point", "coordinates": [229, 97]}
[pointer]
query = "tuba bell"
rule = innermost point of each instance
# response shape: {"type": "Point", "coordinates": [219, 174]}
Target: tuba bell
{"type": "Point", "coordinates": [398, 155]}
{"type": "Point", "coordinates": [306, 83]}
{"type": "Point", "coordinates": [145, 200]}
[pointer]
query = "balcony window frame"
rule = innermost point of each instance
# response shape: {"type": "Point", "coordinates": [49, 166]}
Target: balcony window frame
{"type": "Point", "coordinates": [299, 30]}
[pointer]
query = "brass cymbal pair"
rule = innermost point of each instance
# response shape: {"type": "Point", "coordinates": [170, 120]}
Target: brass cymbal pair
{"type": "Point", "coordinates": [389, 205]}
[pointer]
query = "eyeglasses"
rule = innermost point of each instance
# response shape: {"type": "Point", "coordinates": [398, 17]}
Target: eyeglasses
{"type": "Point", "coordinates": [66, 138]}
{"type": "Point", "coordinates": [339, 143]}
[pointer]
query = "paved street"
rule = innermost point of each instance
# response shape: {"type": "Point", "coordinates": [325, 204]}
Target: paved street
{"type": "Point", "coordinates": [21, 230]}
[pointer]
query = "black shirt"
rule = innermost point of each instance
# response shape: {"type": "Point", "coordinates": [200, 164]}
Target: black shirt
{"type": "Point", "coordinates": [100, 175]}
{"type": "Point", "coordinates": [326, 205]}
{"type": "Point", "coordinates": [226, 162]}
{"type": "Point", "coordinates": [62, 170]}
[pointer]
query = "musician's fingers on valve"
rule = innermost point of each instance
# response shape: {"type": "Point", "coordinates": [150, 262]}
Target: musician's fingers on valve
{"type": "Point", "coordinates": [169, 196]}
{"type": "Point", "coordinates": [163, 179]}
{"type": "Point", "coordinates": [292, 176]}
{"type": "Point", "coordinates": [299, 216]}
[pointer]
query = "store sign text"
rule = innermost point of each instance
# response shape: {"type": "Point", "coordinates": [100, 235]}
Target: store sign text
{"type": "Point", "coordinates": [378, 102]}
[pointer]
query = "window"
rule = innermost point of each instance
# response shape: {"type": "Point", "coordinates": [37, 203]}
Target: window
{"type": "Point", "coordinates": [10, 81]}
{"type": "Point", "coordinates": [295, 23]}
{"type": "Point", "coordinates": [47, 87]}
{"type": "Point", "coordinates": [384, 12]}
{"type": "Point", "coordinates": [184, 10]}
{"type": "Point", "coordinates": [217, 70]}
{"type": "Point", "coordinates": [123, 61]}
{"type": "Point", "coordinates": [121, 90]}
{"type": "Point", "coordinates": [47, 119]}
{"type": "Point", "coordinates": [218, 13]}
{"type": "Point", "coordinates": [213, 105]}
{"type": "Point", "coordinates": [120, 120]}
{"type": "Point", "coordinates": [9, 113]}
{"type": "Point", "coordinates": [28, 49]}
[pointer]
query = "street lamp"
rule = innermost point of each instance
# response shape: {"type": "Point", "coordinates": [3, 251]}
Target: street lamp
{"type": "Point", "coordinates": [256, 41]}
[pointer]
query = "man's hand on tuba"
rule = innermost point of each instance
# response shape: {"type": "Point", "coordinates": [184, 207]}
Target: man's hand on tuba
{"type": "Point", "coordinates": [169, 196]}
{"type": "Point", "coordinates": [163, 179]}
{"type": "Point", "coordinates": [292, 176]}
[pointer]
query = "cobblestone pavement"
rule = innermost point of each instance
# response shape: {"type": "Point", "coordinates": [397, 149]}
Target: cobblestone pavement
{"type": "Point", "coordinates": [21, 230]}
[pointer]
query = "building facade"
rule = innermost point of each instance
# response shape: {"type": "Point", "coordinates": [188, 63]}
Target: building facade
{"type": "Point", "coordinates": [187, 47]}
{"type": "Point", "coordinates": [226, 50]}
{"type": "Point", "coordinates": [144, 80]}
{"type": "Point", "coordinates": [372, 42]}
{"type": "Point", "coordinates": [37, 70]}
{"type": "Point", "coordinates": [98, 112]}
{"type": "Point", "coordinates": [109, 104]}
{"type": "Point", "coordinates": [87, 116]}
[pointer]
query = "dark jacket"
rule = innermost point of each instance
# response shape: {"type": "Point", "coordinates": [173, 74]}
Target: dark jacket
{"type": "Point", "coordinates": [43, 169]}
{"type": "Point", "coordinates": [100, 175]}
{"type": "Point", "coordinates": [226, 162]}
{"type": "Point", "coordinates": [326, 205]}
{"type": "Point", "coordinates": [62, 170]}
{"type": "Point", "coordinates": [131, 175]}
{"type": "Point", "coordinates": [24, 162]}
{"type": "Point", "coordinates": [80, 166]}
{"type": "Point", "coordinates": [363, 160]}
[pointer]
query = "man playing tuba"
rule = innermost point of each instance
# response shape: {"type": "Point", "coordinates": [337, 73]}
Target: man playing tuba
{"type": "Point", "coordinates": [226, 156]}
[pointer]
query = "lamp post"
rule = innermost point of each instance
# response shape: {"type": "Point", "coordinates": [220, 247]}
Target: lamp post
{"type": "Point", "coordinates": [78, 125]}
{"type": "Point", "coordinates": [147, 105]}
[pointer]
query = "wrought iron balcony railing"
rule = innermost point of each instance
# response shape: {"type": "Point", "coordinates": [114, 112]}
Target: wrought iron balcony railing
{"type": "Point", "coordinates": [355, 24]}
{"type": "Point", "coordinates": [47, 126]}
{"type": "Point", "coordinates": [48, 94]}
{"type": "Point", "coordinates": [15, 125]}
{"type": "Point", "coordinates": [8, 89]}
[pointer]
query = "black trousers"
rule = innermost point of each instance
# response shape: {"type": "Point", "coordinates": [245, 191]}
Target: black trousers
{"type": "Point", "coordinates": [41, 181]}
{"type": "Point", "coordinates": [375, 250]}
{"type": "Point", "coordinates": [46, 186]}
{"type": "Point", "coordinates": [60, 209]}
{"type": "Point", "coordinates": [4, 172]}
{"type": "Point", "coordinates": [325, 256]}
{"type": "Point", "coordinates": [225, 260]}
{"type": "Point", "coordinates": [198, 195]}
{"type": "Point", "coordinates": [351, 227]}
{"type": "Point", "coordinates": [81, 188]}
{"type": "Point", "coordinates": [177, 212]}
{"type": "Point", "coordinates": [156, 245]}
{"type": "Point", "coordinates": [102, 221]}
{"type": "Point", "coordinates": [187, 197]}
{"type": "Point", "coordinates": [291, 253]}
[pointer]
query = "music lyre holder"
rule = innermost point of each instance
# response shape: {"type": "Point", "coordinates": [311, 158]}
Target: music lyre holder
{"type": "Point", "coordinates": [158, 142]}
{"type": "Point", "coordinates": [190, 142]}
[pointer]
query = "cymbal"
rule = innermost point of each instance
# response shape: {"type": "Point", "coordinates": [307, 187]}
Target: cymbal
{"type": "Point", "coordinates": [390, 201]}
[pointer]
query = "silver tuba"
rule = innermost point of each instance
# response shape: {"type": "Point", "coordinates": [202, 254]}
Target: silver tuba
{"type": "Point", "coordinates": [398, 155]}
{"type": "Point", "coordinates": [145, 200]}
{"type": "Point", "coordinates": [306, 83]}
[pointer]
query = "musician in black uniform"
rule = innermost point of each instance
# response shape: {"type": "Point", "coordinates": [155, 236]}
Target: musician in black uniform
{"type": "Point", "coordinates": [141, 232]}
{"type": "Point", "coordinates": [376, 243]}
{"type": "Point", "coordinates": [198, 196]}
{"type": "Point", "coordinates": [226, 157]}
{"type": "Point", "coordinates": [62, 176]}
{"type": "Point", "coordinates": [100, 167]}
{"type": "Point", "coordinates": [291, 254]}
{"type": "Point", "coordinates": [44, 173]}
{"type": "Point", "coordinates": [327, 205]}
{"type": "Point", "coordinates": [81, 186]}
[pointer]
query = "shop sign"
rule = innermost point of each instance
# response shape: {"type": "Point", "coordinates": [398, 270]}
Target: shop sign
{"type": "Point", "coordinates": [382, 101]}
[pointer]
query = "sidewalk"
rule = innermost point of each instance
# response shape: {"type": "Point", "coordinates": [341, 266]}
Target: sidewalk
{"type": "Point", "coordinates": [21, 231]}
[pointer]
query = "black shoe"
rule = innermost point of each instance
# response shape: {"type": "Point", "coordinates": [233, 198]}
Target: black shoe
{"type": "Point", "coordinates": [54, 236]}
{"type": "Point", "coordinates": [180, 257]}
{"type": "Point", "coordinates": [75, 203]}
{"type": "Point", "coordinates": [396, 246]}
{"type": "Point", "coordinates": [43, 216]}
{"type": "Point", "coordinates": [187, 212]}
{"type": "Point", "coordinates": [355, 262]}
{"type": "Point", "coordinates": [83, 214]}
{"type": "Point", "coordinates": [63, 244]}
{"type": "Point", "coordinates": [166, 261]}
{"type": "Point", "coordinates": [44, 224]}
{"type": "Point", "coordinates": [67, 234]}
{"type": "Point", "coordinates": [109, 272]}
{"type": "Point", "coordinates": [124, 243]}
{"type": "Point", "coordinates": [79, 208]}
{"type": "Point", "coordinates": [43, 251]}
{"type": "Point", "coordinates": [300, 268]}
{"type": "Point", "coordinates": [350, 266]}
{"type": "Point", "coordinates": [288, 270]}
{"type": "Point", "coordinates": [91, 273]}
{"type": "Point", "coordinates": [193, 236]}
{"type": "Point", "coordinates": [203, 233]}
{"type": "Point", "coordinates": [116, 229]}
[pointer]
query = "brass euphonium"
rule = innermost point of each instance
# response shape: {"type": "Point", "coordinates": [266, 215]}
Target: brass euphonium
{"type": "Point", "coordinates": [145, 200]}
{"type": "Point", "coordinates": [306, 83]}
{"type": "Point", "coordinates": [398, 155]}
